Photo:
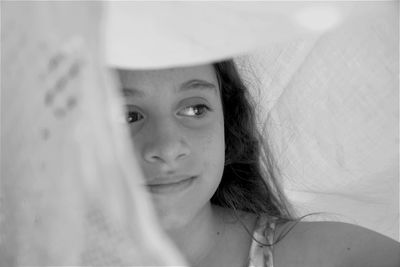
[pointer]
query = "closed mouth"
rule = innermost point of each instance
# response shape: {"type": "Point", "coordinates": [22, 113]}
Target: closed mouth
{"type": "Point", "coordinates": [170, 185]}
{"type": "Point", "coordinates": [169, 180]}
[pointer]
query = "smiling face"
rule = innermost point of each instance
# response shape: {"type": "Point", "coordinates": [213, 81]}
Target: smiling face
{"type": "Point", "coordinates": [177, 125]}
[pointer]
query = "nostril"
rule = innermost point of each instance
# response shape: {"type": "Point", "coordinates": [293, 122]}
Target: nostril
{"type": "Point", "coordinates": [169, 149]}
{"type": "Point", "coordinates": [153, 158]}
{"type": "Point", "coordinates": [166, 156]}
{"type": "Point", "coordinates": [182, 155]}
{"type": "Point", "coordinates": [157, 158]}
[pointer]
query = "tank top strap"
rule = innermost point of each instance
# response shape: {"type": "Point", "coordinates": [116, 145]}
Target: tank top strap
{"type": "Point", "coordinates": [261, 252]}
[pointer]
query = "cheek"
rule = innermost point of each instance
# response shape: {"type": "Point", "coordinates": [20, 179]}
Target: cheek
{"type": "Point", "coordinates": [137, 145]}
{"type": "Point", "coordinates": [212, 149]}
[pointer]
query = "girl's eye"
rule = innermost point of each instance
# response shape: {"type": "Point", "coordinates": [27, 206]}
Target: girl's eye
{"type": "Point", "coordinates": [133, 116]}
{"type": "Point", "coordinates": [194, 111]}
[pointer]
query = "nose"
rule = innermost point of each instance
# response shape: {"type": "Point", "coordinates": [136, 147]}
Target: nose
{"type": "Point", "coordinates": [166, 144]}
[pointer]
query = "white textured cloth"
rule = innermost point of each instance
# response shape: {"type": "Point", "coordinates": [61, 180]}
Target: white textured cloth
{"type": "Point", "coordinates": [164, 34]}
{"type": "Point", "coordinates": [70, 186]}
{"type": "Point", "coordinates": [333, 113]}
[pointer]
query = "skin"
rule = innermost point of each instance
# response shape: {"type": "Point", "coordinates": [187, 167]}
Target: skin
{"type": "Point", "coordinates": [176, 121]}
{"type": "Point", "coordinates": [329, 244]}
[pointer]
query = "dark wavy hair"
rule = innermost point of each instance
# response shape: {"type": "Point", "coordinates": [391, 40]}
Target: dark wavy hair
{"type": "Point", "coordinates": [249, 181]}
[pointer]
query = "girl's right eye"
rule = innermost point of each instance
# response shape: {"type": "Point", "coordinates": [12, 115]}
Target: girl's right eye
{"type": "Point", "coordinates": [133, 116]}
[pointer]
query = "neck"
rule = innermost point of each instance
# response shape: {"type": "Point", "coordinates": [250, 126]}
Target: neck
{"type": "Point", "coordinates": [199, 236]}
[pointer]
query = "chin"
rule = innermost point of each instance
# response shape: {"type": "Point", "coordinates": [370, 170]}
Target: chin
{"type": "Point", "coordinates": [173, 220]}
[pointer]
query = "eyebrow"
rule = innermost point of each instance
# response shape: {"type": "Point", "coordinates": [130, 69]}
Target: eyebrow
{"type": "Point", "coordinates": [194, 84]}
{"type": "Point", "coordinates": [197, 84]}
{"type": "Point", "coordinates": [132, 92]}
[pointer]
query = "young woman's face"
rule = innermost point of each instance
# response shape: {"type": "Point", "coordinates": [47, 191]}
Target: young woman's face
{"type": "Point", "coordinates": [176, 121]}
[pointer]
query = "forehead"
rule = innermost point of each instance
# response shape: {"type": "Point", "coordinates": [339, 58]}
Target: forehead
{"type": "Point", "coordinates": [166, 77]}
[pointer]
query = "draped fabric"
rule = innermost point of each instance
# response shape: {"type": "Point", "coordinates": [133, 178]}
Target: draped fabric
{"type": "Point", "coordinates": [332, 114]}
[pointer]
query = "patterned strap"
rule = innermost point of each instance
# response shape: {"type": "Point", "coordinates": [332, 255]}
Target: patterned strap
{"type": "Point", "coordinates": [261, 255]}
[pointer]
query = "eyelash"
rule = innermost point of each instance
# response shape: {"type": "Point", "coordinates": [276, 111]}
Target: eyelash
{"type": "Point", "coordinates": [205, 109]}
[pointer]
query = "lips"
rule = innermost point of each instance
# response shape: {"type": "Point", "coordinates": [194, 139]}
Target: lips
{"type": "Point", "coordinates": [164, 180]}
{"type": "Point", "coordinates": [170, 184]}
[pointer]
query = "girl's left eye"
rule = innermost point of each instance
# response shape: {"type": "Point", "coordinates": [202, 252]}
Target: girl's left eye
{"type": "Point", "coordinates": [194, 111]}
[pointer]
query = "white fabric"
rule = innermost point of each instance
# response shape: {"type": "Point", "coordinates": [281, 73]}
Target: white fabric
{"type": "Point", "coordinates": [164, 34]}
{"type": "Point", "coordinates": [70, 186]}
{"type": "Point", "coordinates": [333, 104]}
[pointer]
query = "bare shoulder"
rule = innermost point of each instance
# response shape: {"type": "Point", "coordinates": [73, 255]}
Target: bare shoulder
{"type": "Point", "coordinates": [334, 244]}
